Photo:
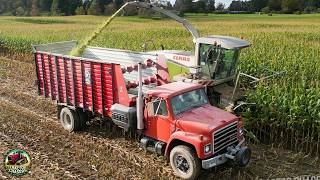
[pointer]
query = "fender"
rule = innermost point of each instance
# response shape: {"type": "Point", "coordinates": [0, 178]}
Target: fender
{"type": "Point", "coordinates": [196, 140]}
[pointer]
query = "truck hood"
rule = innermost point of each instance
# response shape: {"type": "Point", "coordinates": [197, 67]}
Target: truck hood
{"type": "Point", "coordinates": [204, 120]}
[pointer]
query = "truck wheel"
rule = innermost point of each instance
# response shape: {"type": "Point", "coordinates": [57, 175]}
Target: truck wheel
{"type": "Point", "coordinates": [69, 119]}
{"type": "Point", "coordinates": [243, 156]}
{"type": "Point", "coordinates": [184, 162]}
{"type": "Point", "coordinates": [83, 117]}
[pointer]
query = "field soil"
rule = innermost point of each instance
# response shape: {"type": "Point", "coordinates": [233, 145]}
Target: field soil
{"type": "Point", "coordinates": [30, 122]}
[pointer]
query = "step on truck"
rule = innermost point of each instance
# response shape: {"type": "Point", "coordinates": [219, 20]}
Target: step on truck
{"type": "Point", "coordinates": [174, 119]}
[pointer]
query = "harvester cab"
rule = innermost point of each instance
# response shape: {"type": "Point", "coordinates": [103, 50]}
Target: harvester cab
{"type": "Point", "coordinates": [214, 60]}
{"type": "Point", "coordinates": [214, 64]}
{"type": "Point", "coordinates": [216, 57]}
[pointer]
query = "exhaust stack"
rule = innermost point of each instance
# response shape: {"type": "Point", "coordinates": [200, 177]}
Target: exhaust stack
{"type": "Point", "coordinates": [140, 125]}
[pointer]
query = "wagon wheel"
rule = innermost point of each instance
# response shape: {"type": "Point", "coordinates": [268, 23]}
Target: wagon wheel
{"type": "Point", "coordinates": [83, 117]}
{"type": "Point", "coordinates": [70, 119]}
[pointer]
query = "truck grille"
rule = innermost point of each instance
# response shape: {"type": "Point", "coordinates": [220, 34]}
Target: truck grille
{"type": "Point", "coordinates": [225, 137]}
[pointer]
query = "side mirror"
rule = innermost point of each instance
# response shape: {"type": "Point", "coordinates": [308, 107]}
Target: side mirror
{"type": "Point", "coordinates": [150, 109]}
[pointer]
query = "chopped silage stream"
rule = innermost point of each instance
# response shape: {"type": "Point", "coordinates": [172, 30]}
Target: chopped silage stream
{"type": "Point", "coordinates": [29, 121]}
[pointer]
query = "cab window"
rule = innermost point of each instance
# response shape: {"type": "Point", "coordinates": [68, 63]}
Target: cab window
{"type": "Point", "coordinates": [217, 62]}
{"type": "Point", "coordinates": [226, 65]}
{"type": "Point", "coordinates": [188, 101]}
{"type": "Point", "coordinates": [160, 107]}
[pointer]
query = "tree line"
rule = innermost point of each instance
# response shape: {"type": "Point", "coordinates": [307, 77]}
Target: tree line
{"type": "Point", "coordinates": [281, 6]}
{"type": "Point", "coordinates": [107, 7]}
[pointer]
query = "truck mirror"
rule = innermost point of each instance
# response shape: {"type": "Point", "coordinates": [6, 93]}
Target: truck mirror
{"type": "Point", "coordinates": [150, 109]}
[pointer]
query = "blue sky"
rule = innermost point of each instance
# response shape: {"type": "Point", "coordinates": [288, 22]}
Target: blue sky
{"type": "Point", "coordinates": [226, 2]}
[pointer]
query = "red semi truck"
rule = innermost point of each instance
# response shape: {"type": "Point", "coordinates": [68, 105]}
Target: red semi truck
{"type": "Point", "coordinates": [175, 119]}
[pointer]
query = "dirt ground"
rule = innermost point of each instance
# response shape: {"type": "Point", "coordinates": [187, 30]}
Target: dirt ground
{"type": "Point", "coordinates": [29, 122]}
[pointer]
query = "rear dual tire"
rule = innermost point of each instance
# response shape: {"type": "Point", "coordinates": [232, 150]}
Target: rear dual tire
{"type": "Point", "coordinates": [72, 120]}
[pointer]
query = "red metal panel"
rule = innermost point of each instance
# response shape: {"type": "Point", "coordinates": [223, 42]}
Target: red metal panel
{"type": "Point", "coordinates": [40, 73]}
{"type": "Point", "coordinates": [69, 80]}
{"type": "Point", "coordinates": [108, 87]}
{"type": "Point", "coordinates": [53, 77]}
{"type": "Point", "coordinates": [87, 85]}
{"type": "Point", "coordinates": [46, 75]}
{"type": "Point", "coordinates": [121, 93]}
{"type": "Point", "coordinates": [78, 83]}
{"type": "Point", "coordinates": [61, 83]}
{"type": "Point", "coordinates": [97, 90]}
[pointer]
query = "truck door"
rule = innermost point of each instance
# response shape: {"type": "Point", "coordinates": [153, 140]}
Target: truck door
{"type": "Point", "coordinates": [158, 123]}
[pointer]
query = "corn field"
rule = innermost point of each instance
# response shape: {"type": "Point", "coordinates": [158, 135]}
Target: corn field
{"type": "Point", "coordinates": [287, 108]}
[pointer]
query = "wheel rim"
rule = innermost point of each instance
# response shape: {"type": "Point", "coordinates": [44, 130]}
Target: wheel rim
{"type": "Point", "coordinates": [67, 120]}
{"type": "Point", "coordinates": [181, 164]}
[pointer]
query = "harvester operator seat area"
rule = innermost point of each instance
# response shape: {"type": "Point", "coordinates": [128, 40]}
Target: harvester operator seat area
{"type": "Point", "coordinates": [217, 62]}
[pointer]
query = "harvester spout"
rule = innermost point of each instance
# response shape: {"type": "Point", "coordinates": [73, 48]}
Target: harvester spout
{"type": "Point", "coordinates": [140, 125]}
{"type": "Point", "coordinates": [185, 23]}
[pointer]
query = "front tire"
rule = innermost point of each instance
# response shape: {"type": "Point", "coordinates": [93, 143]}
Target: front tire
{"type": "Point", "coordinates": [243, 156]}
{"type": "Point", "coordinates": [184, 162]}
{"type": "Point", "coordinates": [69, 119]}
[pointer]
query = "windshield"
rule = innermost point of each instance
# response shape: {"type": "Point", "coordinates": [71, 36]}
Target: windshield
{"type": "Point", "coordinates": [217, 62]}
{"type": "Point", "coordinates": [189, 100]}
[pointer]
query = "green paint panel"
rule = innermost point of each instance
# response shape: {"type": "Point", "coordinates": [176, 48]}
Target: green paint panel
{"type": "Point", "coordinates": [175, 69]}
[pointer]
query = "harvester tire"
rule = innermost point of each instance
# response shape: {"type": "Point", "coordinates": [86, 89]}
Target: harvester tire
{"type": "Point", "coordinates": [185, 162]}
{"type": "Point", "coordinates": [70, 119]}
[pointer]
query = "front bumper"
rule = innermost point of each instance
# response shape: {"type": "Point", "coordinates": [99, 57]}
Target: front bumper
{"type": "Point", "coordinates": [215, 161]}
{"type": "Point", "coordinates": [234, 153]}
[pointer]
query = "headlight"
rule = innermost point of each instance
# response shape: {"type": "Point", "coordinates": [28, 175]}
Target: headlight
{"type": "Point", "coordinates": [241, 131]}
{"type": "Point", "coordinates": [207, 149]}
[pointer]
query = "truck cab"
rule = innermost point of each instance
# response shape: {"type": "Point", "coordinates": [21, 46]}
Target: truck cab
{"type": "Point", "coordinates": [181, 124]}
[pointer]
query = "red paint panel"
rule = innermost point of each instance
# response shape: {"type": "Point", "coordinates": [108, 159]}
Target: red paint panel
{"type": "Point", "coordinates": [46, 74]}
{"type": "Point", "coordinates": [69, 80]}
{"type": "Point", "coordinates": [97, 87]}
{"type": "Point", "coordinates": [87, 85]}
{"type": "Point", "coordinates": [121, 93]}
{"type": "Point", "coordinates": [40, 73]}
{"type": "Point", "coordinates": [53, 78]}
{"type": "Point", "coordinates": [78, 83]}
{"type": "Point", "coordinates": [61, 83]}
{"type": "Point", "coordinates": [107, 88]}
